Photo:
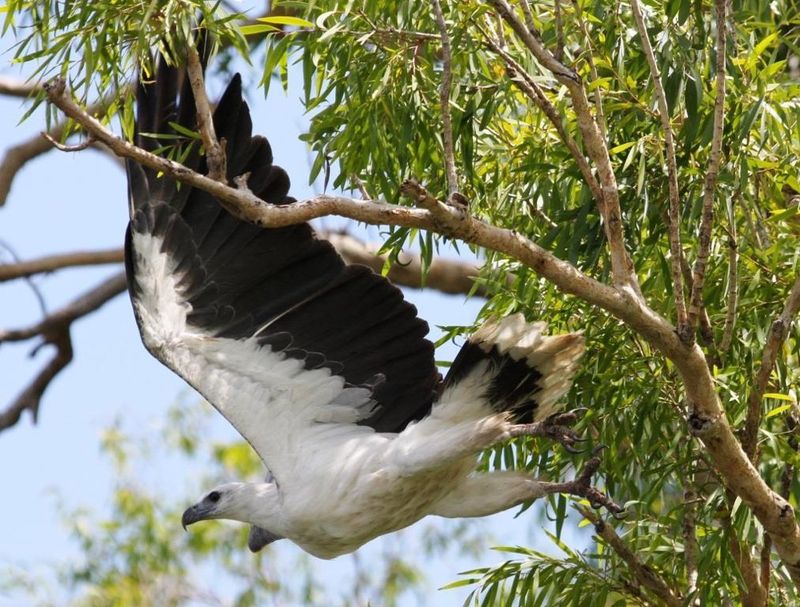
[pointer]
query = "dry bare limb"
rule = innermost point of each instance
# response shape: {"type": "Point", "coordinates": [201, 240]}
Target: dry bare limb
{"type": "Point", "coordinates": [447, 276]}
{"type": "Point", "coordinates": [777, 335]}
{"type": "Point", "coordinates": [13, 87]}
{"type": "Point", "coordinates": [17, 156]}
{"type": "Point", "coordinates": [444, 100]}
{"type": "Point", "coordinates": [55, 330]}
{"type": "Point", "coordinates": [622, 270]}
{"type": "Point", "coordinates": [644, 575]}
{"type": "Point", "coordinates": [712, 172]}
{"type": "Point", "coordinates": [51, 263]}
{"type": "Point", "coordinates": [685, 331]}
{"type": "Point", "coordinates": [707, 419]}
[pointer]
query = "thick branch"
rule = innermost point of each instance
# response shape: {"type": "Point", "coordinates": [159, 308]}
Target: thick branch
{"type": "Point", "coordinates": [444, 100]}
{"type": "Point", "coordinates": [645, 575]}
{"type": "Point", "coordinates": [56, 262]}
{"type": "Point", "coordinates": [55, 330]}
{"type": "Point", "coordinates": [777, 335]}
{"type": "Point", "coordinates": [707, 421]}
{"type": "Point", "coordinates": [684, 330]}
{"type": "Point", "coordinates": [709, 188]}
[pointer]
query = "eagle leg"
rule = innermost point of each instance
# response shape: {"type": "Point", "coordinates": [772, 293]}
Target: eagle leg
{"type": "Point", "coordinates": [556, 427]}
{"type": "Point", "coordinates": [581, 486]}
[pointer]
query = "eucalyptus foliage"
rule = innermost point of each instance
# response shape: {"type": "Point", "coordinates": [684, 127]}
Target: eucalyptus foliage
{"type": "Point", "coordinates": [371, 76]}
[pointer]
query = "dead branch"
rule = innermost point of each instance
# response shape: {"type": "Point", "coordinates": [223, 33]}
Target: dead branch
{"type": "Point", "coordinates": [16, 157]}
{"type": "Point", "coordinates": [444, 275]}
{"type": "Point", "coordinates": [644, 574]}
{"type": "Point", "coordinates": [777, 335]}
{"type": "Point", "coordinates": [55, 330]}
{"type": "Point", "coordinates": [444, 100]}
{"type": "Point", "coordinates": [707, 419]}
{"type": "Point", "coordinates": [18, 88]}
{"type": "Point", "coordinates": [685, 331]}
{"type": "Point", "coordinates": [51, 263]}
{"type": "Point", "coordinates": [710, 185]}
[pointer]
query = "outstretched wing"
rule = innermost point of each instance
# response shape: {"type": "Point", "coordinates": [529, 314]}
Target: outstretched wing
{"type": "Point", "coordinates": [269, 325]}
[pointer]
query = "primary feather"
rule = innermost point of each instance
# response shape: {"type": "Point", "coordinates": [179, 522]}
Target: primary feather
{"type": "Point", "coordinates": [322, 367]}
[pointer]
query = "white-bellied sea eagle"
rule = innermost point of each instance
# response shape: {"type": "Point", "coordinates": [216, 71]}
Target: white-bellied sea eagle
{"type": "Point", "coordinates": [322, 367]}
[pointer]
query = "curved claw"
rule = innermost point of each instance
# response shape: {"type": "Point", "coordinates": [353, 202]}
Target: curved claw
{"type": "Point", "coordinates": [599, 449]}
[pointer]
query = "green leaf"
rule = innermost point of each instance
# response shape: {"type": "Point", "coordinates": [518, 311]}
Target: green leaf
{"type": "Point", "coordinates": [286, 20]}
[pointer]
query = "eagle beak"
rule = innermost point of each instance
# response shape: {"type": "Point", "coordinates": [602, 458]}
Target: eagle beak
{"type": "Point", "coordinates": [194, 514]}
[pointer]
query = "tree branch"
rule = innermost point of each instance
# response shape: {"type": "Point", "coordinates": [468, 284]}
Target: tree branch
{"type": "Point", "coordinates": [644, 574]}
{"type": "Point", "coordinates": [444, 275]}
{"type": "Point", "coordinates": [215, 154]}
{"type": "Point", "coordinates": [777, 335]}
{"type": "Point", "coordinates": [523, 81]}
{"type": "Point", "coordinates": [16, 157]}
{"type": "Point", "coordinates": [707, 418]}
{"type": "Point", "coordinates": [55, 330]}
{"type": "Point", "coordinates": [709, 188]}
{"type": "Point", "coordinates": [685, 331]}
{"type": "Point", "coordinates": [622, 270]}
{"type": "Point", "coordinates": [18, 88]}
{"type": "Point", "coordinates": [733, 279]}
{"type": "Point", "coordinates": [444, 100]}
{"type": "Point", "coordinates": [50, 263]}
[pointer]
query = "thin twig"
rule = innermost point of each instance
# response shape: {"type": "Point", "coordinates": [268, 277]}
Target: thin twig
{"type": "Point", "coordinates": [33, 286]}
{"type": "Point", "coordinates": [50, 263]}
{"type": "Point", "coordinates": [733, 278]}
{"type": "Point", "coordinates": [444, 101]}
{"type": "Point", "coordinates": [690, 534]}
{"type": "Point", "coordinates": [712, 172]}
{"type": "Point", "coordinates": [685, 331]}
{"type": "Point", "coordinates": [777, 335]}
{"type": "Point", "coordinates": [523, 81]}
{"type": "Point", "coordinates": [596, 93]}
{"type": "Point", "coordinates": [68, 148]}
{"type": "Point", "coordinates": [55, 330]}
{"type": "Point", "coordinates": [215, 154]}
{"type": "Point", "coordinates": [622, 269]}
{"type": "Point", "coordinates": [644, 574]}
{"type": "Point", "coordinates": [559, 54]}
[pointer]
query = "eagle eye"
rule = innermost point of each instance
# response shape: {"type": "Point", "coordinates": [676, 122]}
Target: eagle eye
{"type": "Point", "coordinates": [214, 496]}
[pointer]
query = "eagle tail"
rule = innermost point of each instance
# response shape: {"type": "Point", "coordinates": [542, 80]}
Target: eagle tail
{"type": "Point", "coordinates": [510, 365]}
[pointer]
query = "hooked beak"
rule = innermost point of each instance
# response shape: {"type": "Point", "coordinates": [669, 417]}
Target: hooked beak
{"type": "Point", "coordinates": [193, 514]}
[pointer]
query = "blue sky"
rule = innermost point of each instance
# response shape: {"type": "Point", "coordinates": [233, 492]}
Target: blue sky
{"type": "Point", "coordinates": [63, 202]}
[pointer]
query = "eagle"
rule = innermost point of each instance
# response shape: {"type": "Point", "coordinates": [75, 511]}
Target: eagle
{"type": "Point", "coordinates": [322, 367]}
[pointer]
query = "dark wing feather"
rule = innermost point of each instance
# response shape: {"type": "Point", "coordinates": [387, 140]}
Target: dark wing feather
{"type": "Point", "coordinates": [282, 285]}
